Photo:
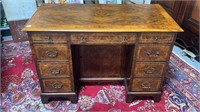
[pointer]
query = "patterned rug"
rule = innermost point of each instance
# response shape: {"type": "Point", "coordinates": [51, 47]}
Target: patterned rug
{"type": "Point", "coordinates": [20, 88]}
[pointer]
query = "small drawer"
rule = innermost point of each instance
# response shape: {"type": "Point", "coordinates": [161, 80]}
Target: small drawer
{"type": "Point", "coordinates": [152, 52]}
{"type": "Point", "coordinates": [149, 69]}
{"type": "Point", "coordinates": [156, 37]}
{"type": "Point", "coordinates": [146, 84]}
{"type": "Point", "coordinates": [103, 38]}
{"type": "Point", "coordinates": [50, 38]}
{"type": "Point", "coordinates": [54, 69]}
{"type": "Point", "coordinates": [57, 85]}
{"type": "Point", "coordinates": [51, 52]}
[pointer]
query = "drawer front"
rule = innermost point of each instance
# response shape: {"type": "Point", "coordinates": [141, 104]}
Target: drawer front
{"type": "Point", "coordinates": [54, 69]}
{"type": "Point", "coordinates": [103, 38]}
{"type": "Point", "coordinates": [146, 84]}
{"type": "Point", "coordinates": [156, 37]}
{"type": "Point", "coordinates": [56, 85]}
{"type": "Point", "coordinates": [51, 52]}
{"type": "Point", "coordinates": [152, 52]}
{"type": "Point", "coordinates": [149, 69]}
{"type": "Point", "coordinates": [50, 37]}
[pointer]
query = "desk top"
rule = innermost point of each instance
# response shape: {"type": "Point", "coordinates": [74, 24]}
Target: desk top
{"type": "Point", "coordinates": [102, 18]}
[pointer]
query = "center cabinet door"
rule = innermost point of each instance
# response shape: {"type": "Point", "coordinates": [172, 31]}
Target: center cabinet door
{"type": "Point", "coordinates": [103, 61]}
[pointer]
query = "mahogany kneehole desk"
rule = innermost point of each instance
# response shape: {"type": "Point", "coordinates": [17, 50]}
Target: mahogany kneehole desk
{"type": "Point", "coordinates": [93, 43]}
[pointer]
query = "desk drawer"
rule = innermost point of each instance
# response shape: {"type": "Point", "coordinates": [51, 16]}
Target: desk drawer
{"type": "Point", "coordinates": [152, 52]}
{"type": "Point", "coordinates": [156, 37]}
{"type": "Point", "coordinates": [51, 52]}
{"type": "Point", "coordinates": [146, 84]}
{"type": "Point", "coordinates": [149, 69]}
{"type": "Point", "coordinates": [103, 38]}
{"type": "Point", "coordinates": [54, 69]}
{"type": "Point", "coordinates": [57, 85]}
{"type": "Point", "coordinates": [50, 37]}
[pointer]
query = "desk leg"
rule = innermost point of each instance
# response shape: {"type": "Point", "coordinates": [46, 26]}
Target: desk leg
{"type": "Point", "coordinates": [44, 99]}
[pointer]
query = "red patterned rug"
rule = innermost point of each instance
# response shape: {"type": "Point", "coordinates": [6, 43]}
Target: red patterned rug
{"type": "Point", "coordinates": [20, 88]}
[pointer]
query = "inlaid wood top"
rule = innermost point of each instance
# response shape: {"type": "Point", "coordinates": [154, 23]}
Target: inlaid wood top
{"type": "Point", "coordinates": [102, 18]}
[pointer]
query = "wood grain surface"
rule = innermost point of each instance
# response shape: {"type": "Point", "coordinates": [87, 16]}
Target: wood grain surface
{"type": "Point", "coordinates": [102, 18]}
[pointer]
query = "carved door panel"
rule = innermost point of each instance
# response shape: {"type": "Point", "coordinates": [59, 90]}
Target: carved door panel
{"type": "Point", "coordinates": [171, 6]}
{"type": "Point", "coordinates": [189, 19]}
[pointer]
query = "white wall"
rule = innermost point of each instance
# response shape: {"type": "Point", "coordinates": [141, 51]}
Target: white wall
{"type": "Point", "coordinates": [19, 9]}
{"type": "Point", "coordinates": [141, 1]}
{"type": "Point", "coordinates": [110, 1]}
{"type": "Point", "coordinates": [64, 1]}
{"type": "Point", "coordinates": [126, 1]}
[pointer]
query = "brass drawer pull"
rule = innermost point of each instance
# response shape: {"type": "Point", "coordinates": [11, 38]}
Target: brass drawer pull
{"type": "Point", "coordinates": [46, 38]}
{"type": "Point", "coordinates": [156, 39]}
{"type": "Point", "coordinates": [51, 54]}
{"type": "Point", "coordinates": [153, 53]}
{"type": "Point", "coordinates": [83, 39]}
{"type": "Point", "coordinates": [146, 85]}
{"type": "Point", "coordinates": [57, 85]}
{"type": "Point", "coordinates": [54, 71]}
{"type": "Point", "coordinates": [125, 39]}
{"type": "Point", "coordinates": [149, 70]}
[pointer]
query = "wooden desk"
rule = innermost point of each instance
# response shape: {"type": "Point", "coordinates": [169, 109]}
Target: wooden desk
{"type": "Point", "coordinates": [91, 43]}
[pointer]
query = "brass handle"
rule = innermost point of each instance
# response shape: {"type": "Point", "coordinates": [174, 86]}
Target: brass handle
{"type": "Point", "coordinates": [83, 39]}
{"type": "Point", "coordinates": [125, 39]}
{"type": "Point", "coordinates": [146, 85]}
{"type": "Point", "coordinates": [54, 71]}
{"type": "Point", "coordinates": [153, 53]}
{"type": "Point", "coordinates": [156, 39]}
{"type": "Point", "coordinates": [57, 85]}
{"type": "Point", "coordinates": [149, 70]}
{"type": "Point", "coordinates": [51, 54]}
{"type": "Point", "coordinates": [47, 38]}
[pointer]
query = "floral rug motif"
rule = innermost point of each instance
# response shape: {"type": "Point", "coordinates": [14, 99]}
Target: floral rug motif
{"type": "Point", "coordinates": [20, 88]}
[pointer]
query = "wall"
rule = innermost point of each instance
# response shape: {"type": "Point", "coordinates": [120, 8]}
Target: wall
{"type": "Point", "coordinates": [19, 9]}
